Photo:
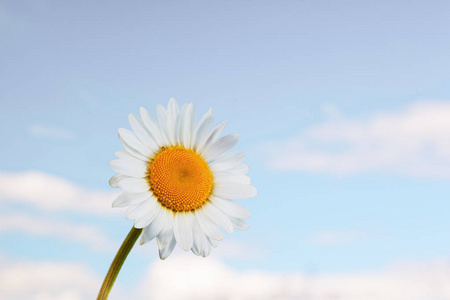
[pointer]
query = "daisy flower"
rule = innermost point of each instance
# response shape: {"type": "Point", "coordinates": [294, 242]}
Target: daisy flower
{"type": "Point", "coordinates": [179, 179]}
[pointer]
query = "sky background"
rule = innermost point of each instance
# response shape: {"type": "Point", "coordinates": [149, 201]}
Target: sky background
{"type": "Point", "coordinates": [343, 110]}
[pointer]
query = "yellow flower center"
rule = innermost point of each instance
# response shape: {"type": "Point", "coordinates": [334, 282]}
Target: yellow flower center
{"type": "Point", "coordinates": [180, 179]}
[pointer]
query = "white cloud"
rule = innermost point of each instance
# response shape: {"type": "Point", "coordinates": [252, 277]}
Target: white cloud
{"type": "Point", "coordinates": [48, 280]}
{"type": "Point", "coordinates": [335, 237]}
{"type": "Point", "coordinates": [78, 233]}
{"type": "Point", "coordinates": [413, 142]}
{"type": "Point", "coordinates": [196, 278]}
{"type": "Point", "coordinates": [43, 131]}
{"type": "Point", "coordinates": [51, 193]}
{"type": "Point", "coordinates": [189, 277]}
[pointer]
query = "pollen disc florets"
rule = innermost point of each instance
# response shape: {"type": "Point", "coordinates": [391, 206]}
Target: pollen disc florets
{"type": "Point", "coordinates": [180, 179]}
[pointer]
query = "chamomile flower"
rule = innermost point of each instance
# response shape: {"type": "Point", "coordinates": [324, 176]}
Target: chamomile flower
{"type": "Point", "coordinates": [179, 179]}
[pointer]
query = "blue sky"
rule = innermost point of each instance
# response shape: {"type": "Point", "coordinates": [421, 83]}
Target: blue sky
{"type": "Point", "coordinates": [341, 107]}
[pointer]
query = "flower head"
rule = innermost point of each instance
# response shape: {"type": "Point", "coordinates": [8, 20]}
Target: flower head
{"type": "Point", "coordinates": [179, 178]}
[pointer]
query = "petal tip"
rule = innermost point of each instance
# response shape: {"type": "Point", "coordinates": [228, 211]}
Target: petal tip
{"type": "Point", "coordinates": [162, 256]}
{"type": "Point", "coordinates": [111, 182]}
{"type": "Point", "coordinates": [122, 131]}
{"type": "Point", "coordinates": [109, 164]}
{"type": "Point", "coordinates": [255, 191]}
{"type": "Point", "coordinates": [184, 248]}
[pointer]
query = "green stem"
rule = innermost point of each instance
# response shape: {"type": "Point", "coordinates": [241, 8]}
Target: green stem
{"type": "Point", "coordinates": [117, 263]}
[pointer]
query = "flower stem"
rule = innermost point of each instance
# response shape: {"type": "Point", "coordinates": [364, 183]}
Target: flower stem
{"type": "Point", "coordinates": [117, 263]}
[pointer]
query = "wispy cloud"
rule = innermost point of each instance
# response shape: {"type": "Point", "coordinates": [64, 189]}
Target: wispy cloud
{"type": "Point", "coordinates": [48, 280]}
{"type": "Point", "coordinates": [210, 279]}
{"type": "Point", "coordinates": [52, 193]}
{"type": "Point", "coordinates": [89, 235]}
{"type": "Point", "coordinates": [49, 132]}
{"type": "Point", "coordinates": [414, 142]}
{"type": "Point", "coordinates": [188, 277]}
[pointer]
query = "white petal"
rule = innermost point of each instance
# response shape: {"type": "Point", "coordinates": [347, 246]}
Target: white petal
{"type": "Point", "coordinates": [155, 227]}
{"type": "Point", "coordinates": [211, 137]}
{"type": "Point", "coordinates": [218, 217]}
{"type": "Point", "coordinates": [133, 168]}
{"type": "Point", "coordinates": [203, 128]}
{"type": "Point", "coordinates": [166, 251]}
{"type": "Point", "coordinates": [115, 180]}
{"type": "Point", "coordinates": [139, 210]}
{"type": "Point", "coordinates": [134, 185]}
{"type": "Point", "coordinates": [193, 123]}
{"type": "Point", "coordinates": [186, 127]}
{"type": "Point", "coordinates": [235, 191]}
{"type": "Point", "coordinates": [207, 250]}
{"type": "Point", "coordinates": [122, 154]}
{"type": "Point", "coordinates": [240, 169]}
{"type": "Point", "coordinates": [146, 219]}
{"type": "Point", "coordinates": [180, 123]}
{"type": "Point", "coordinates": [207, 225]}
{"type": "Point", "coordinates": [127, 155]}
{"type": "Point", "coordinates": [199, 239]}
{"type": "Point", "coordinates": [142, 132]}
{"type": "Point", "coordinates": [174, 104]}
{"type": "Point", "coordinates": [133, 152]}
{"type": "Point", "coordinates": [221, 146]}
{"type": "Point", "coordinates": [172, 114]}
{"type": "Point", "coordinates": [152, 126]}
{"type": "Point", "coordinates": [239, 224]}
{"type": "Point", "coordinates": [129, 139]}
{"type": "Point", "coordinates": [229, 207]}
{"type": "Point", "coordinates": [212, 242]}
{"type": "Point", "coordinates": [166, 239]}
{"type": "Point", "coordinates": [127, 199]}
{"type": "Point", "coordinates": [220, 178]}
{"type": "Point", "coordinates": [235, 156]}
{"type": "Point", "coordinates": [162, 120]}
{"type": "Point", "coordinates": [182, 229]}
{"type": "Point", "coordinates": [227, 161]}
